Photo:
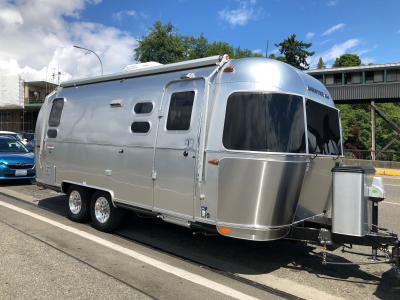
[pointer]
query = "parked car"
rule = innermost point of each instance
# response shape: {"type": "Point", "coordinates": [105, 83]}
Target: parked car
{"type": "Point", "coordinates": [14, 135]}
{"type": "Point", "coordinates": [16, 162]}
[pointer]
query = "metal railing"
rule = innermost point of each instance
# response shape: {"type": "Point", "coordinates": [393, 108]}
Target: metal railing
{"type": "Point", "coordinates": [34, 100]}
{"type": "Point", "coordinates": [387, 155]}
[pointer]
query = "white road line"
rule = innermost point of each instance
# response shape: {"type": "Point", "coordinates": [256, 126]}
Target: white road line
{"type": "Point", "coordinates": [389, 184]}
{"type": "Point", "coordinates": [138, 256]}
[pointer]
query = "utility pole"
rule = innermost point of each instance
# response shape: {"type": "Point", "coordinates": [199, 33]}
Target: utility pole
{"type": "Point", "coordinates": [373, 131]}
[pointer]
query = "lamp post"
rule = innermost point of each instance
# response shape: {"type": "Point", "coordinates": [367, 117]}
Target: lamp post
{"type": "Point", "coordinates": [98, 57]}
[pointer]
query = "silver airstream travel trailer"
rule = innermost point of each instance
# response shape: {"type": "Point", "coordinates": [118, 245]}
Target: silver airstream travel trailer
{"type": "Point", "coordinates": [244, 147]}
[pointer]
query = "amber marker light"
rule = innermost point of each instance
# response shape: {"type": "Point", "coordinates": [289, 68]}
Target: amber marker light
{"type": "Point", "coordinates": [229, 69]}
{"type": "Point", "coordinates": [214, 162]}
{"type": "Point", "coordinates": [224, 230]}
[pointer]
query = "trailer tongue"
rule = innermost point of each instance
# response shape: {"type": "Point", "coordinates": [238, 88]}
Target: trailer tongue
{"type": "Point", "coordinates": [356, 197]}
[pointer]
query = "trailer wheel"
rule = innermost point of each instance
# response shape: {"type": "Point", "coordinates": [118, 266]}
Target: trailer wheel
{"type": "Point", "coordinates": [105, 216]}
{"type": "Point", "coordinates": [77, 204]}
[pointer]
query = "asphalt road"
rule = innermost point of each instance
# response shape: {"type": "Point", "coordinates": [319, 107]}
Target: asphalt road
{"type": "Point", "coordinates": [45, 256]}
{"type": "Point", "coordinates": [289, 266]}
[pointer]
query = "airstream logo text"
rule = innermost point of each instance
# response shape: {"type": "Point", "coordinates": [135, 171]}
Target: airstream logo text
{"type": "Point", "coordinates": [318, 92]}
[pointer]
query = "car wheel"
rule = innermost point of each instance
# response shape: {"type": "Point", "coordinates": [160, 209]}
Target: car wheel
{"type": "Point", "coordinates": [105, 216]}
{"type": "Point", "coordinates": [77, 204]}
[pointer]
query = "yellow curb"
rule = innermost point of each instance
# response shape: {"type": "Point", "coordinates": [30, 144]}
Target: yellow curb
{"type": "Point", "coordinates": [387, 172]}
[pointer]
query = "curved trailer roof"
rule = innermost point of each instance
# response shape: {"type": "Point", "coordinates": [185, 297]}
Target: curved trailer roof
{"type": "Point", "coordinates": [272, 74]}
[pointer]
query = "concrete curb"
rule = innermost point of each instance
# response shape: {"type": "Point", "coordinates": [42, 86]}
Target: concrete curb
{"type": "Point", "coordinates": [387, 172]}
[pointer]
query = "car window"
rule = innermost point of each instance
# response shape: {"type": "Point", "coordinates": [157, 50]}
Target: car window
{"type": "Point", "coordinates": [12, 146]}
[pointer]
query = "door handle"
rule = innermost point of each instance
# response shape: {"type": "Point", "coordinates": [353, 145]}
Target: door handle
{"type": "Point", "coordinates": [185, 153]}
{"type": "Point", "coordinates": [50, 147]}
{"type": "Point", "coordinates": [120, 151]}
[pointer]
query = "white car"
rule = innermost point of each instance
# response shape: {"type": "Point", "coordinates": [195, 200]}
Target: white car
{"type": "Point", "coordinates": [15, 135]}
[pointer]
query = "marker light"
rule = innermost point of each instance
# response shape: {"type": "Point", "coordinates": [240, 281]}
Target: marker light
{"type": "Point", "coordinates": [229, 69]}
{"type": "Point", "coordinates": [214, 162]}
{"type": "Point", "coordinates": [224, 230]}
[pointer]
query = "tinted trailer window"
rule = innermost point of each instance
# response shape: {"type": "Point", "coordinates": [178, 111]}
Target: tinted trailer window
{"type": "Point", "coordinates": [323, 129]}
{"type": "Point", "coordinates": [264, 122]}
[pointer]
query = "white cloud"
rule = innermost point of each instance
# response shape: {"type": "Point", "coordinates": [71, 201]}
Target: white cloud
{"type": "Point", "coordinates": [334, 28]}
{"type": "Point", "coordinates": [332, 2]}
{"type": "Point", "coordinates": [334, 52]}
{"type": "Point", "coordinates": [310, 35]}
{"type": "Point", "coordinates": [36, 39]}
{"type": "Point", "coordinates": [241, 15]}
{"type": "Point", "coordinates": [368, 60]}
{"type": "Point", "coordinates": [122, 14]}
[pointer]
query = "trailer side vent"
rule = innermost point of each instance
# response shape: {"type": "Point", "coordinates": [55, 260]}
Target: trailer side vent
{"type": "Point", "coordinates": [140, 127]}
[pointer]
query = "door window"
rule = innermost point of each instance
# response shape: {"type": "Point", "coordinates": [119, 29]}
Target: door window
{"type": "Point", "coordinates": [180, 110]}
{"type": "Point", "coordinates": [55, 116]}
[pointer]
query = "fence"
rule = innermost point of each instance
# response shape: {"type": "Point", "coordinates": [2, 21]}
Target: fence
{"type": "Point", "coordinates": [388, 155]}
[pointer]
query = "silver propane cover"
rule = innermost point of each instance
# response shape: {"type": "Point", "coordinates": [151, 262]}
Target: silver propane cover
{"type": "Point", "coordinates": [351, 186]}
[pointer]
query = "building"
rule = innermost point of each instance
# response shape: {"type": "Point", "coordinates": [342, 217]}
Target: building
{"type": "Point", "coordinates": [20, 102]}
{"type": "Point", "coordinates": [361, 84]}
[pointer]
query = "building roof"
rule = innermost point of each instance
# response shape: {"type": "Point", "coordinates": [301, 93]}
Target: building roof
{"type": "Point", "coordinates": [39, 84]}
{"type": "Point", "coordinates": [355, 69]}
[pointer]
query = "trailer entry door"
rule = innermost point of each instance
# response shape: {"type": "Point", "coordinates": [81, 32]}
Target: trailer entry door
{"type": "Point", "coordinates": [176, 147]}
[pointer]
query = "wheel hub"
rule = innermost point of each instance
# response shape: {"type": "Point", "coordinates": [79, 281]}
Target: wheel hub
{"type": "Point", "coordinates": [75, 202]}
{"type": "Point", "coordinates": [102, 210]}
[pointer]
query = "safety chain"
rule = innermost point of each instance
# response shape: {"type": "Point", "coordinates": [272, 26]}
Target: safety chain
{"type": "Point", "coordinates": [324, 254]}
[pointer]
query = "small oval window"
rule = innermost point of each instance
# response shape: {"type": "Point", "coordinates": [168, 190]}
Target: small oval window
{"type": "Point", "coordinates": [143, 107]}
{"type": "Point", "coordinates": [140, 127]}
{"type": "Point", "coordinates": [52, 133]}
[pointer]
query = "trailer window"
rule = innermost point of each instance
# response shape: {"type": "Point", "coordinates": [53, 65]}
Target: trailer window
{"type": "Point", "coordinates": [55, 113]}
{"type": "Point", "coordinates": [140, 127]}
{"type": "Point", "coordinates": [323, 129]}
{"type": "Point", "coordinates": [52, 133]}
{"type": "Point", "coordinates": [180, 111]}
{"type": "Point", "coordinates": [143, 107]}
{"type": "Point", "coordinates": [264, 122]}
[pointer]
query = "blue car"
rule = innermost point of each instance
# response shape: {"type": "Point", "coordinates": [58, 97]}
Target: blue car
{"type": "Point", "coordinates": [16, 162]}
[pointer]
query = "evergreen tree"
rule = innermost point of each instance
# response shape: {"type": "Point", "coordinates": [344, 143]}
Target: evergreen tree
{"type": "Point", "coordinates": [321, 64]}
{"type": "Point", "coordinates": [295, 52]}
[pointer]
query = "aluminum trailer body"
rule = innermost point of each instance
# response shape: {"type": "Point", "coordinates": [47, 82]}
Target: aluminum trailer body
{"type": "Point", "coordinates": [245, 146]}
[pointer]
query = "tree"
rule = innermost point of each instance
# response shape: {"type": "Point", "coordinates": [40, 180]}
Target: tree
{"type": "Point", "coordinates": [321, 64]}
{"type": "Point", "coordinates": [347, 60]}
{"type": "Point", "coordinates": [295, 52]}
{"type": "Point", "coordinates": [162, 44]}
{"type": "Point", "coordinates": [280, 58]}
{"type": "Point", "coordinates": [196, 47]}
{"type": "Point", "coordinates": [218, 48]}
{"type": "Point", "coordinates": [240, 53]}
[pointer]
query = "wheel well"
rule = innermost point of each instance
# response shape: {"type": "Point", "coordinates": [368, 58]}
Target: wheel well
{"type": "Point", "coordinates": [89, 190]}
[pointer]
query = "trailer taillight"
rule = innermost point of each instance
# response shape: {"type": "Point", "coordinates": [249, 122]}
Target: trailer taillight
{"type": "Point", "coordinates": [214, 162]}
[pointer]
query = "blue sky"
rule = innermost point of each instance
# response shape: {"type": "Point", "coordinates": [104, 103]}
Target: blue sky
{"type": "Point", "coordinates": [367, 27]}
{"type": "Point", "coordinates": [37, 37]}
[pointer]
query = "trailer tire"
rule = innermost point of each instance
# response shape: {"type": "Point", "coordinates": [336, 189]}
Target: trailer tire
{"type": "Point", "coordinates": [105, 217]}
{"type": "Point", "coordinates": [77, 204]}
